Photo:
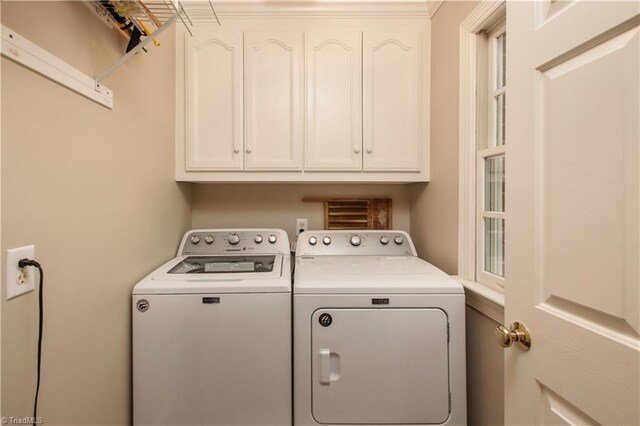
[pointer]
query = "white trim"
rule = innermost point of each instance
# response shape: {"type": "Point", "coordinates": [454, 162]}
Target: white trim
{"type": "Point", "coordinates": [433, 6]}
{"type": "Point", "coordinates": [483, 299]}
{"type": "Point", "coordinates": [488, 13]}
{"type": "Point", "coordinates": [410, 9]}
{"type": "Point", "coordinates": [32, 56]}
{"type": "Point", "coordinates": [1, 258]}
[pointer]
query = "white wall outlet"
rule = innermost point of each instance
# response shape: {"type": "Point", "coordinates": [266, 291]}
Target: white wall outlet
{"type": "Point", "coordinates": [19, 281]}
{"type": "Point", "coordinates": [301, 226]}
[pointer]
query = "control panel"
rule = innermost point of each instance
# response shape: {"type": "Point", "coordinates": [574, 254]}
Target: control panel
{"type": "Point", "coordinates": [227, 241]}
{"type": "Point", "coordinates": [357, 243]}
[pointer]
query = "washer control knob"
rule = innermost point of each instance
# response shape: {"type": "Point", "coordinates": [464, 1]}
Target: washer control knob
{"type": "Point", "coordinates": [398, 240]}
{"type": "Point", "coordinates": [384, 240]}
{"type": "Point", "coordinates": [234, 239]}
{"type": "Point", "coordinates": [313, 241]}
{"type": "Point", "coordinates": [258, 239]}
{"type": "Point", "coordinates": [273, 239]}
{"type": "Point", "coordinates": [326, 241]}
{"type": "Point", "coordinates": [208, 239]}
{"type": "Point", "coordinates": [195, 239]}
{"type": "Point", "coordinates": [355, 240]}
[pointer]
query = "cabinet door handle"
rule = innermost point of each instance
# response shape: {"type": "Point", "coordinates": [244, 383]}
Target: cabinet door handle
{"type": "Point", "coordinates": [356, 150]}
{"type": "Point", "coordinates": [369, 149]}
{"type": "Point", "coordinates": [236, 150]}
{"type": "Point", "coordinates": [249, 149]}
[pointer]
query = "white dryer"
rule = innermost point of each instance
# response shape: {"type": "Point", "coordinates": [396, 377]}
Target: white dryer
{"type": "Point", "coordinates": [212, 332]}
{"type": "Point", "coordinates": [379, 334]}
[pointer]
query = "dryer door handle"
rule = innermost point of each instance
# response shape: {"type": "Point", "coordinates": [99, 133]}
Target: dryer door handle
{"type": "Point", "coordinates": [325, 366]}
{"type": "Point", "coordinates": [329, 366]}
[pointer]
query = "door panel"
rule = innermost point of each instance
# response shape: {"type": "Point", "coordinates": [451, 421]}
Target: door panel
{"type": "Point", "coordinates": [590, 181]}
{"type": "Point", "coordinates": [572, 238]}
{"type": "Point", "coordinates": [380, 366]}
{"type": "Point", "coordinates": [214, 101]}
{"type": "Point", "coordinates": [273, 101]}
{"type": "Point", "coordinates": [334, 101]}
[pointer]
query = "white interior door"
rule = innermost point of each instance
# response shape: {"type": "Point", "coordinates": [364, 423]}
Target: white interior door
{"type": "Point", "coordinates": [573, 202]}
{"type": "Point", "coordinates": [380, 366]}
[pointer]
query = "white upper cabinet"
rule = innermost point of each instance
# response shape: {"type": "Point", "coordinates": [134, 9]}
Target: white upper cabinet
{"type": "Point", "coordinates": [334, 100]}
{"type": "Point", "coordinates": [214, 112]}
{"type": "Point", "coordinates": [315, 99]}
{"type": "Point", "coordinates": [392, 109]}
{"type": "Point", "coordinates": [273, 96]}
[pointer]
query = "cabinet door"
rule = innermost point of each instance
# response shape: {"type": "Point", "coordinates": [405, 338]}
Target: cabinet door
{"type": "Point", "coordinates": [214, 101]}
{"type": "Point", "coordinates": [392, 100]}
{"type": "Point", "coordinates": [273, 71]}
{"type": "Point", "coordinates": [334, 101]}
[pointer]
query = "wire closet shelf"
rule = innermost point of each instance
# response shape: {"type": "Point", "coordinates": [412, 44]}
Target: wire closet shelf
{"type": "Point", "coordinates": [160, 14]}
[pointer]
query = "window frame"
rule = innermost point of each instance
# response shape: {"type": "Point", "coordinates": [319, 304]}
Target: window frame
{"type": "Point", "coordinates": [485, 295]}
{"type": "Point", "coordinates": [487, 142]}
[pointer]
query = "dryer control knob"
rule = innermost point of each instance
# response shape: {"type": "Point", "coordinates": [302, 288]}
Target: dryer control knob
{"type": "Point", "coordinates": [326, 241]}
{"type": "Point", "coordinates": [234, 239]}
{"type": "Point", "coordinates": [384, 240]}
{"type": "Point", "coordinates": [313, 241]}
{"type": "Point", "coordinates": [195, 239]}
{"type": "Point", "coordinates": [273, 239]}
{"type": "Point", "coordinates": [208, 239]}
{"type": "Point", "coordinates": [398, 240]}
{"type": "Point", "coordinates": [355, 240]}
{"type": "Point", "coordinates": [258, 239]}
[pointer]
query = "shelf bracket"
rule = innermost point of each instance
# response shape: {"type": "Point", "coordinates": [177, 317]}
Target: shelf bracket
{"type": "Point", "coordinates": [30, 55]}
{"type": "Point", "coordinates": [106, 73]}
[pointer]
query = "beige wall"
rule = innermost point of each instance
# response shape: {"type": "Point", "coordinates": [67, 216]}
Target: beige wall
{"type": "Point", "coordinates": [278, 205]}
{"type": "Point", "coordinates": [434, 206]}
{"type": "Point", "coordinates": [434, 212]}
{"type": "Point", "coordinates": [485, 372]}
{"type": "Point", "coordinates": [94, 190]}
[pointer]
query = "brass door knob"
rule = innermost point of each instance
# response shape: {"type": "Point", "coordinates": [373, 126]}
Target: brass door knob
{"type": "Point", "coordinates": [517, 333]}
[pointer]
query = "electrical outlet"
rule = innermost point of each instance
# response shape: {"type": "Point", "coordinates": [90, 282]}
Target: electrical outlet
{"type": "Point", "coordinates": [19, 281]}
{"type": "Point", "coordinates": [301, 226]}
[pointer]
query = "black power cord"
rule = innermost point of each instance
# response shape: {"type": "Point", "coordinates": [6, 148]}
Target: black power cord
{"type": "Point", "coordinates": [22, 264]}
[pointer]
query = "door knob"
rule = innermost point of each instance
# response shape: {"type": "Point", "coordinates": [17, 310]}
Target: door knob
{"type": "Point", "coordinates": [517, 333]}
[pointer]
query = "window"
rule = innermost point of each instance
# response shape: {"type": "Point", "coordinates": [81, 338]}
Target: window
{"type": "Point", "coordinates": [491, 156]}
{"type": "Point", "coordinates": [483, 156]}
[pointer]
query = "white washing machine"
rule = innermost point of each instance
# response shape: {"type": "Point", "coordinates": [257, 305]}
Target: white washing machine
{"type": "Point", "coordinates": [212, 332]}
{"type": "Point", "coordinates": [379, 334]}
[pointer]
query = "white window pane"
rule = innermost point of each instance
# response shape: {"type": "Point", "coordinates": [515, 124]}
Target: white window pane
{"type": "Point", "coordinates": [494, 246]}
{"type": "Point", "coordinates": [500, 114]}
{"type": "Point", "coordinates": [494, 183]}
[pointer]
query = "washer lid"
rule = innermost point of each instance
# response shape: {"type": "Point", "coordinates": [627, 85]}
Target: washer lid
{"type": "Point", "coordinates": [370, 274]}
{"type": "Point", "coordinates": [219, 274]}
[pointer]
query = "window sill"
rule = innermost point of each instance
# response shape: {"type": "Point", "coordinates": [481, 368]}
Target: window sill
{"type": "Point", "coordinates": [483, 299]}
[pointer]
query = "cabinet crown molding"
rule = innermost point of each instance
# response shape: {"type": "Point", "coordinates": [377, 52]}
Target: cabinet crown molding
{"type": "Point", "coordinates": [246, 9]}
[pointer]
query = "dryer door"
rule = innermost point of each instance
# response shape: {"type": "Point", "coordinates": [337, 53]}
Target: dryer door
{"type": "Point", "coordinates": [380, 366]}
